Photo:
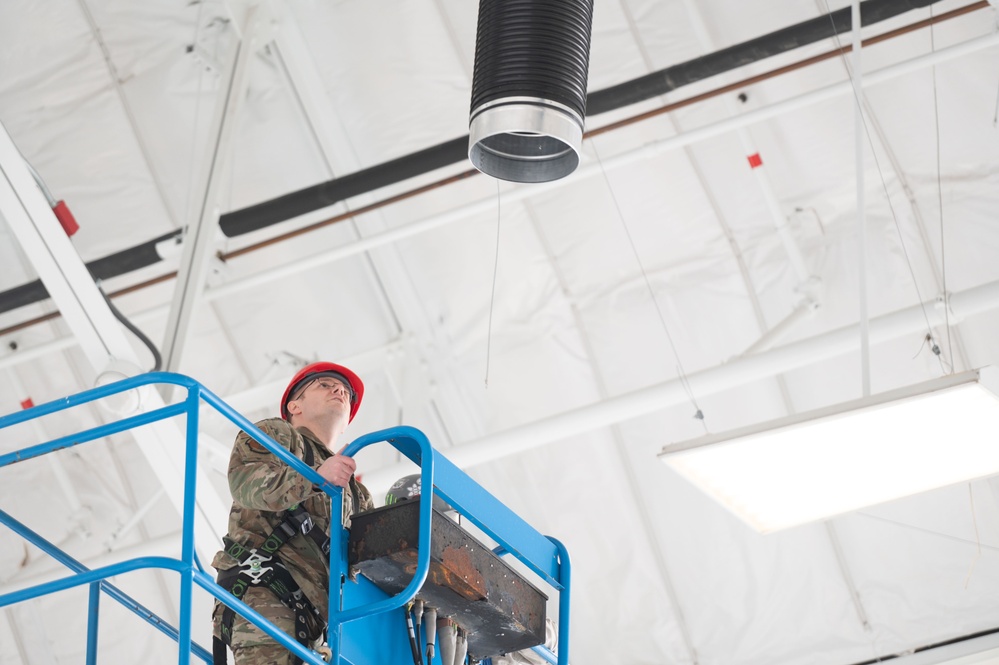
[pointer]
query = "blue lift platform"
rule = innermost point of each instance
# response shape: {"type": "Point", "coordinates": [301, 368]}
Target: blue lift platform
{"type": "Point", "coordinates": [367, 625]}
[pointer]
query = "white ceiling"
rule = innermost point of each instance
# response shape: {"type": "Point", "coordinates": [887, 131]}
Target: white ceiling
{"type": "Point", "coordinates": [549, 338]}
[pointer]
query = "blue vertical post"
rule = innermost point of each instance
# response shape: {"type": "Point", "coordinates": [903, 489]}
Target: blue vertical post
{"type": "Point", "coordinates": [338, 568]}
{"type": "Point", "coordinates": [187, 543]}
{"type": "Point", "coordinates": [565, 579]}
{"type": "Point", "coordinates": [92, 616]}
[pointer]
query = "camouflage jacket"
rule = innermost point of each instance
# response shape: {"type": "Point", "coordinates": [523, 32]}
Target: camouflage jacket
{"type": "Point", "coordinates": [263, 488]}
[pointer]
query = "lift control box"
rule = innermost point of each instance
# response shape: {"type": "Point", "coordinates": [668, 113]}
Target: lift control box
{"type": "Point", "coordinates": [499, 609]}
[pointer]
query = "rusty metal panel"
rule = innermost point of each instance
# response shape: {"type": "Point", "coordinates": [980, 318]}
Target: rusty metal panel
{"type": "Point", "coordinates": [496, 605]}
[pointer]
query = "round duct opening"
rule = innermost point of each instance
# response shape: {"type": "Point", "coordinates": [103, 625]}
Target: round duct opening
{"type": "Point", "coordinates": [529, 88]}
{"type": "Point", "coordinates": [528, 140]}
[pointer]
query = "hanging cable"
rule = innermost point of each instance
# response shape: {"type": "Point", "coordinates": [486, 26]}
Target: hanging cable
{"type": "Point", "coordinates": [884, 185]}
{"type": "Point", "coordinates": [492, 298]}
{"type": "Point", "coordinates": [943, 253]}
{"type": "Point", "coordinates": [978, 538]}
{"type": "Point", "coordinates": [995, 116]}
{"type": "Point", "coordinates": [193, 171]}
{"type": "Point", "coordinates": [698, 414]}
{"type": "Point", "coordinates": [157, 358]}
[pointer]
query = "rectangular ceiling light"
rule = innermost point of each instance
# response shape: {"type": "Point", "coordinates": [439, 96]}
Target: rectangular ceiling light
{"type": "Point", "coordinates": [835, 460]}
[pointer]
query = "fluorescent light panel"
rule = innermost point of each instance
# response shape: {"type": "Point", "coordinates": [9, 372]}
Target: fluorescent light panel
{"type": "Point", "coordinates": [836, 460]}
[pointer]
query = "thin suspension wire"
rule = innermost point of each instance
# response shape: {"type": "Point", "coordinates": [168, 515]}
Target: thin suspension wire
{"type": "Point", "coordinates": [995, 116]}
{"type": "Point", "coordinates": [978, 539]}
{"type": "Point", "coordinates": [698, 414]}
{"type": "Point", "coordinates": [940, 205]}
{"type": "Point", "coordinates": [192, 170]}
{"type": "Point", "coordinates": [884, 185]}
{"type": "Point", "coordinates": [492, 298]}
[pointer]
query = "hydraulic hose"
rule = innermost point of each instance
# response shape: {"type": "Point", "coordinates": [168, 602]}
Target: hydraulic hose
{"type": "Point", "coordinates": [414, 645]}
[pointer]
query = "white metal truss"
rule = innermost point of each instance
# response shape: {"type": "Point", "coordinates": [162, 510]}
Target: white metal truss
{"type": "Point", "coordinates": [100, 336]}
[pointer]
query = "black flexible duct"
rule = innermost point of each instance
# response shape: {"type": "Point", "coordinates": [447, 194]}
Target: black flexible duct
{"type": "Point", "coordinates": [268, 213]}
{"type": "Point", "coordinates": [529, 88]}
{"type": "Point", "coordinates": [532, 48]}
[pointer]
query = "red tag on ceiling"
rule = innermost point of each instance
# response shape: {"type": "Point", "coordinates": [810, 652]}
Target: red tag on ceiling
{"type": "Point", "coordinates": [755, 160]}
{"type": "Point", "coordinates": [27, 403]}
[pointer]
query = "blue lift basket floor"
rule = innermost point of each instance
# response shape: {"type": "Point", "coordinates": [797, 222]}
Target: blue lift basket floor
{"type": "Point", "coordinates": [366, 625]}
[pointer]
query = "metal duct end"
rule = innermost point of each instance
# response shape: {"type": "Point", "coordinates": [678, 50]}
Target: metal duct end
{"type": "Point", "coordinates": [525, 139]}
{"type": "Point", "coordinates": [529, 88]}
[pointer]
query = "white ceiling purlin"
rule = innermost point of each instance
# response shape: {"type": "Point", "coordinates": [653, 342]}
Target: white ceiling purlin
{"type": "Point", "coordinates": [200, 235]}
{"type": "Point", "coordinates": [708, 381]}
{"type": "Point", "coordinates": [100, 336]}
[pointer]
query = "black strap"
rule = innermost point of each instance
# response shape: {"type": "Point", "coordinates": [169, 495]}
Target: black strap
{"type": "Point", "coordinates": [218, 652]}
{"type": "Point", "coordinates": [298, 520]}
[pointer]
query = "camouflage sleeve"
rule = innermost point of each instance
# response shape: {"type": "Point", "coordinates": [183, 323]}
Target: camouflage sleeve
{"type": "Point", "coordinates": [258, 480]}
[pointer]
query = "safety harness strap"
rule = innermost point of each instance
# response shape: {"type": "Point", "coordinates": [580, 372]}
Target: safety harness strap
{"type": "Point", "coordinates": [261, 567]}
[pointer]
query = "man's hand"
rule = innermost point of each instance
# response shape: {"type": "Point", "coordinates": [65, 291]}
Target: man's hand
{"type": "Point", "coordinates": [338, 469]}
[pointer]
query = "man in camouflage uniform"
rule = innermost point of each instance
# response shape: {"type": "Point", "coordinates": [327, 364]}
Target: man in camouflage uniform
{"type": "Point", "coordinates": [316, 407]}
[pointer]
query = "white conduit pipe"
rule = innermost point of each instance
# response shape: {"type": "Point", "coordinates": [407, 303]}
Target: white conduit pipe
{"type": "Point", "coordinates": [706, 382]}
{"type": "Point", "coordinates": [594, 169]}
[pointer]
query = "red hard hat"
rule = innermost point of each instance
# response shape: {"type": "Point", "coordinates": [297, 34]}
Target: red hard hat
{"type": "Point", "coordinates": [309, 371]}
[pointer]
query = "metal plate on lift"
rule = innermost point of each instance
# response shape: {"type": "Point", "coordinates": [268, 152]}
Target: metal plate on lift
{"type": "Point", "coordinates": [496, 605]}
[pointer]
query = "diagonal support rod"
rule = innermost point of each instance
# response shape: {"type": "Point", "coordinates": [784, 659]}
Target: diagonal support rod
{"type": "Point", "coordinates": [200, 234]}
